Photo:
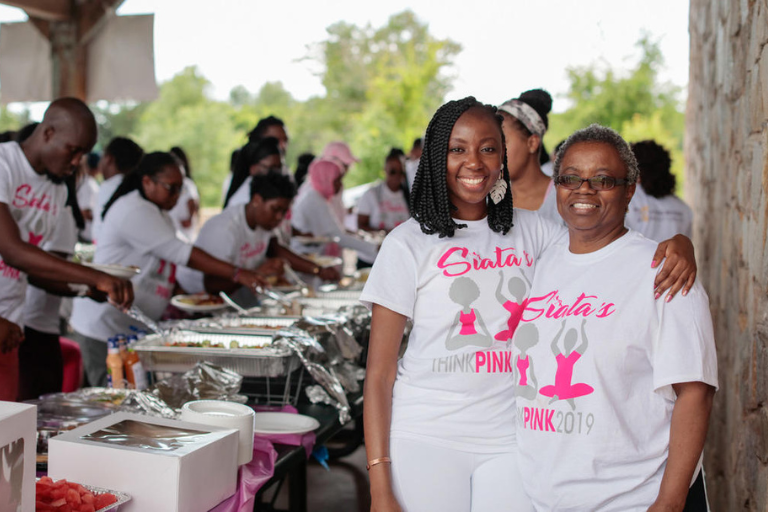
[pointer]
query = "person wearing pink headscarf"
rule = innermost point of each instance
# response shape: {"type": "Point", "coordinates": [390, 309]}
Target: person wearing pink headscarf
{"type": "Point", "coordinates": [313, 213]}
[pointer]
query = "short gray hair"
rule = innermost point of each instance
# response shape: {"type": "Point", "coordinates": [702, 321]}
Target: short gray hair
{"type": "Point", "coordinates": [597, 133]}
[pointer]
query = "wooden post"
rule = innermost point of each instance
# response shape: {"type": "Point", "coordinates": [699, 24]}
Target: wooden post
{"type": "Point", "coordinates": [69, 26]}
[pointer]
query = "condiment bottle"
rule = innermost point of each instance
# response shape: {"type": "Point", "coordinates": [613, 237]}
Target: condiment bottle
{"type": "Point", "coordinates": [121, 344]}
{"type": "Point", "coordinates": [114, 365]}
{"type": "Point", "coordinates": [134, 371]}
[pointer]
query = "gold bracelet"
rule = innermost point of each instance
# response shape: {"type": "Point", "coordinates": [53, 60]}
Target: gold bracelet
{"type": "Point", "coordinates": [380, 460]}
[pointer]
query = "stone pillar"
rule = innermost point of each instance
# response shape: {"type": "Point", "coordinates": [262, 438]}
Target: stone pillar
{"type": "Point", "coordinates": [726, 148]}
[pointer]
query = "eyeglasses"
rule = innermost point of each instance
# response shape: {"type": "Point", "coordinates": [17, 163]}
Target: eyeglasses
{"type": "Point", "coordinates": [572, 182]}
{"type": "Point", "coordinates": [172, 189]}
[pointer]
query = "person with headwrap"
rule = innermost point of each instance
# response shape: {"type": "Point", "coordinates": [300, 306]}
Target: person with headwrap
{"type": "Point", "coordinates": [525, 123]}
{"type": "Point", "coordinates": [313, 212]}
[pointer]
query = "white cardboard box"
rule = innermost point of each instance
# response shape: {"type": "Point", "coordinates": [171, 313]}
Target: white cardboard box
{"type": "Point", "coordinates": [18, 449]}
{"type": "Point", "coordinates": [191, 478]}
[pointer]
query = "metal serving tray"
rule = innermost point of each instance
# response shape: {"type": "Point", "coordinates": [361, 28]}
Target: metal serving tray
{"type": "Point", "coordinates": [122, 498]}
{"type": "Point", "coordinates": [268, 361]}
{"type": "Point", "coordinates": [340, 295]}
{"type": "Point", "coordinates": [313, 306]}
{"type": "Point", "coordinates": [249, 325]}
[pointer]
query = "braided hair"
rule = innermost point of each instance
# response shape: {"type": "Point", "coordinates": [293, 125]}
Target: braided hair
{"type": "Point", "coordinates": [151, 165]}
{"type": "Point", "coordinates": [430, 204]}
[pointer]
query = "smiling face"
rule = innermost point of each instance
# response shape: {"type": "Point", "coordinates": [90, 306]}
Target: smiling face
{"type": "Point", "coordinates": [594, 218]}
{"type": "Point", "coordinates": [474, 160]}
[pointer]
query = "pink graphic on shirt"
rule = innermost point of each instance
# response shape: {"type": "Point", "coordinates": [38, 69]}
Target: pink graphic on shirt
{"type": "Point", "coordinates": [467, 322]}
{"type": "Point", "coordinates": [464, 291]}
{"type": "Point", "coordinates": [164, 288]}
{"type": "Point", "coordinates": [564, 389]}
{"type": "Point", "coordinates": [522, 367]}
{"type": "Point", "coordinates": [456, 261]}
{"type": "Point", "coordinates": [526, 385]}
{"type": "Point", "coordinates": [34, 239]}
{"type": "Point", "coordinates": [25, 198]}
{"type": "Point", "coordinates": [518, 289]}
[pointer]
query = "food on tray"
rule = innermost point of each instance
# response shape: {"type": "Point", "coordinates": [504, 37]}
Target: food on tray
{"type": "Point", "coordinates": [62, 496]}
{"type": "Point", "coordinates": [209, 344]}
{"type": "Point", "coordinates": [261, 326]}
{"type": "Point", "coordinates": [277, 281]}
{"type": "Point", "coordinates": [200, 299]}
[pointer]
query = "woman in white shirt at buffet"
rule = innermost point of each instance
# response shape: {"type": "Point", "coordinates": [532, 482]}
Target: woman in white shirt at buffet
{"type": "Point", "coordinates": [313, 213]}
{"type": "Point", "coordinates": [384, 206]}
{"type": "Point", "coordinates": [245, 235]}
{"type": "Point", "coordinates": [137, 231]}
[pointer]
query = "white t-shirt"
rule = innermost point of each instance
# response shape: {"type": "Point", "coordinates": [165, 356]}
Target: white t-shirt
{"type": "Point", "coordinates": [313, 214]}
{"type": "Point", "coordinates": [548, 208]}
{"type": "Point", "coordinates": [386, 209]}
{"type": "Point", "coordinates": [659, 218]}
{"type": "Point", "coordinates": [35, 202]}
{"type": "Point", "coordinates": [41, 309]}
{"type": "Point", "coordinates": [596, 357]}
{"type": "Point", "coordinates": [454, 385]}
{"type": "Point", "coordinates": [106, 190]}
{"type": "Point", "coordinates": [135, 232]}
{"type": "Point", "coordinates": [180, 212]}
{"type": "Point", "coordinates": [228, 237]}
{"type": "Point", "coordinates": [242, 195]}
{"type": "Point", "coordinates": [87, 199]}
{"type": "Point", "coordinates": [411, 166]}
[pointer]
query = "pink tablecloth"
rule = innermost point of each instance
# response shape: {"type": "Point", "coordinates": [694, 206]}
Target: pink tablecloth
{"type": "Point", "coordinates": [252, 476]}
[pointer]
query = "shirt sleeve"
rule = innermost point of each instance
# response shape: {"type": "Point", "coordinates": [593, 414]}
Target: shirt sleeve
{"type": "Point", "coordinates": [6, 194]}
{"type": "Point", "coordinates": [367, 203]}
{"type": "Point", "coordinates": [219, 242]}
{"type": "Point", "coordinates": [684, 346]}
{"type": "Point", "coordinates": [149, 230]}
{"type": "Point", "coordinates": [395, 291]}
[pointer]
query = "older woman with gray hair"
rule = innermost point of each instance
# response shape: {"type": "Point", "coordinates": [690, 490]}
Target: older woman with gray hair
{"type": "Point", "coordinates": [624, 383]}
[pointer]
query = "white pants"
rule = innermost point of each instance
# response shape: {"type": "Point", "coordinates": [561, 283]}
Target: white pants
{"type": "Point", "coordinates": [428, 478]}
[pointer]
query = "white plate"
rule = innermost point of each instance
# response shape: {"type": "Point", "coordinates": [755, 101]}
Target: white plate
{"type": "Point", "coordinates": [120, 271]}
{"type": "Point", "coordinates": [324, 261]}
{"type": "Point", "coordinates": [283, 423]}
{"type": "Point", "coordinates": [194, 308]}
{"type": "Point", "coordinates": [309, 240]}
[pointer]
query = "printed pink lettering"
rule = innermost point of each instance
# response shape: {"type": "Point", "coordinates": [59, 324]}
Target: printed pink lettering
{"type": "Point", "coordinates": [550, 305]}
{"type": "Point", "coordinates": [507, 257]}
{"type": "Point", "coordinates": [9, 272]}
{"type": "Point", "coordinates": [479, 361]}
{"type": "Point", "coordinates": [25, 198]}
{"type": "Point", "coordinates": [507, 362]}
{"type": "Point", "coordinates": [538, 419]}
{"type": "Point", "coordinates": [162, 291]}
{"type": "Point", "coordinates": [247, 252]}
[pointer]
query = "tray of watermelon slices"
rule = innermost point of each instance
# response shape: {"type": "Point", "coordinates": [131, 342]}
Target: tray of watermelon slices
{"type": "Point", "coordinates": [64, 496]}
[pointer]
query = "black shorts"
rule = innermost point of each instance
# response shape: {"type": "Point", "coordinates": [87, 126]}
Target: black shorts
{"type": "Point", "coordinates": [697, 496]}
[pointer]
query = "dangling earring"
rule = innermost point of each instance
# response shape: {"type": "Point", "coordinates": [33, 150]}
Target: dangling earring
{"type": "Point", "coordinates": [499, 189]}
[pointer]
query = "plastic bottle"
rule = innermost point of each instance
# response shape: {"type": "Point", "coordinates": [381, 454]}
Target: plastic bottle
{"type": "Point", "coordinates": [121, 343]}
{"type": "Point", "coordinates": [134, 371]}
{"type": "Point", "coordinates": [114, 365]}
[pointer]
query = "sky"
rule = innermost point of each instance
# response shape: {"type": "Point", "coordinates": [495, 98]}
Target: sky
{"type": "Point", "coordinates": [509, 46]}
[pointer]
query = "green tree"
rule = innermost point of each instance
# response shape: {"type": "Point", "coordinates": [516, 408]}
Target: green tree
{"type": "Point", "coordinates": [382, 86]}
{"type": "Point", "coordinates": [636, 104]}
{"type": "Point", "coordinates": [184, 115]}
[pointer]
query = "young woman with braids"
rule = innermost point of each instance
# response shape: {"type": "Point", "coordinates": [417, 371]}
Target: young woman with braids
{"type": "Point", "coordinates": [138, 231]}
{"type": "Point", "coordinates": [440, 423]}
{"type": "Point", "coordinates": [525, 123]}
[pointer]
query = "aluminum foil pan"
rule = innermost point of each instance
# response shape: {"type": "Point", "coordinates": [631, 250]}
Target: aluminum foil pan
{"type": "Point", "coordinates": [122, 498]}
{"type": "Point", "coordinates": [317, 306]}
{"type": "Point", "coordinates": [353, 295]}
{"type": "Point", "coordinates": [249, 325]}
{"type": "Point", "coordinates": [262, 359]}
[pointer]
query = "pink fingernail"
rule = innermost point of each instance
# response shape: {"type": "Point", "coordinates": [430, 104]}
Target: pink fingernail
{"type": "Point", "coordinates": [669, 298]}
{"type": "Point", "coordinates": [653, 264]}
{"type": "Point", "coordinates": [685, 292]}
{"type": "Point", "coordinates": [657, 295]}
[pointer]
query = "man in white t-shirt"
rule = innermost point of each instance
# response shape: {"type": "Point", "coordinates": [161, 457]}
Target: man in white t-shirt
{"type": "Point", "coordinates": [31, 198]}
{"type": "Point", "coordinates": [121, 156]}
